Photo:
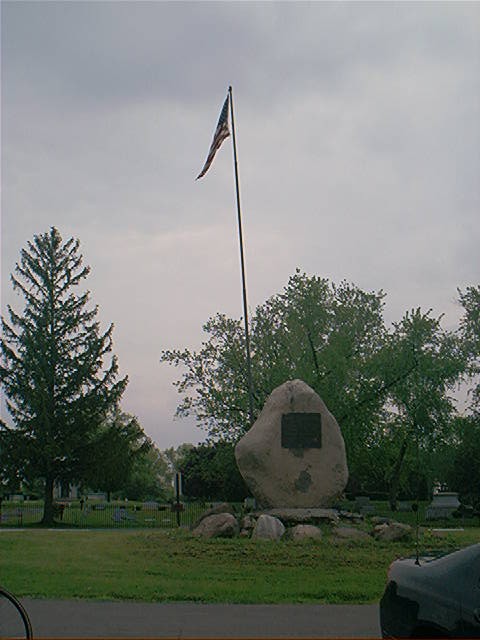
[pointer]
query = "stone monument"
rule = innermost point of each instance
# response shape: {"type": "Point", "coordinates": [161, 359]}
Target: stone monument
{"type": "Point", "coordinates": [443, 505]}
{"type": "Point", "coordinates": [294, 454]}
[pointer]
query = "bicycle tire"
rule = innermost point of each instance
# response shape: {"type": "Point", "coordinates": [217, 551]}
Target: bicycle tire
{"type": "Point", "coordinates": [21, 610]}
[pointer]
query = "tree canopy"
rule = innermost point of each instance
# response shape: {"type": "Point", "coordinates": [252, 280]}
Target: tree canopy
{"type": "Point", "coordinates": [210, 472]}
{"type": "Point", "coordinates": [389, 388]}
{"type": "Point", "coordinates": [463, 462]}
{"type": "Point", "coordinates": [119, 448]}
{"type": "Point", "coordinates": [327, 335]}
{"type": "Point", "coordinates": [470, 332]}
{"type": "Point", "coordinates": [421, 408]}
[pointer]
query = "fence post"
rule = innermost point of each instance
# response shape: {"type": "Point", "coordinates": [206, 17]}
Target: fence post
{"type": "Point", "coordinates": [178, 490]}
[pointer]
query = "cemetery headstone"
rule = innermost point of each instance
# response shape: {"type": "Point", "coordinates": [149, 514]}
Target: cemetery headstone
{"type": "Point", "coordinates": [442, 506]}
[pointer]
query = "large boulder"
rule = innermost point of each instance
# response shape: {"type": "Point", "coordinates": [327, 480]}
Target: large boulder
{"type": "Point", "coordinates": [300, 470]}
{"type": "Point", "coordinates": [269, 528]}
{"type": "Point", "coordinates": [219, 525]}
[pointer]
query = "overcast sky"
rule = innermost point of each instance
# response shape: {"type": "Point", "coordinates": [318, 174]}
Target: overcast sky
{"type": "Point", "coordinates": [358, 131]}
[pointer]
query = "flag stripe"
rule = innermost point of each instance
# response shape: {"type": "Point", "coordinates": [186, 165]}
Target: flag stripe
{"type": "Point", "coordinates": [221, 132]}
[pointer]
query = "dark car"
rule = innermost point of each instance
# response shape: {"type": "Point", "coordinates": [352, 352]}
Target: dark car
{"type": "Point", "coordinates": [437, 597]}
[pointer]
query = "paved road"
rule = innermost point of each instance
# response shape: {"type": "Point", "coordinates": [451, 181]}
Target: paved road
{"type": "Point", "coordinates": [79, 618]}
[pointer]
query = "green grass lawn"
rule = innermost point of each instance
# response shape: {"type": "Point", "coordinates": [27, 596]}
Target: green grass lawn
{"type": "Point", "coordinates": [160, 566]}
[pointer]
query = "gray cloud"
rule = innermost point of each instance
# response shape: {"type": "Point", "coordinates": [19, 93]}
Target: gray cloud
{"type": "Point", "coordinates": [358, 131]}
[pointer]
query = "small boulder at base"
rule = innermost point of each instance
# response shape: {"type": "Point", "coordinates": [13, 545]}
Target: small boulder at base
{"type": "Point", "coordinates": [349, 533]}
{"type": "Point", "coordinates": [350, 516]}
{"type": "Point", "coordinates": [223, 507]}
{"type": "Point", "coordinates": [268, 528]}
{"type": "Point", "coordinates": [392, 531]}
{"type": "Point", "coordinates": [219, 525]}
{"type": "Point", "coordinates": [248, 523]}
{"type": "Point", "coordinates": [305, 531]}
{"type": "Point", "coordinates": [294, 454]}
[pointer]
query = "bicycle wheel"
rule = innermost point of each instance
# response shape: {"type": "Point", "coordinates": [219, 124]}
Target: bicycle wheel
{"type": "Point", "coordinates": [14, 620]}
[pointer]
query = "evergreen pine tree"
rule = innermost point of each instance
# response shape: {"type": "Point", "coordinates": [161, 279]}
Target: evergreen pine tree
{"type": "Point", "coordinates": [58, 379]}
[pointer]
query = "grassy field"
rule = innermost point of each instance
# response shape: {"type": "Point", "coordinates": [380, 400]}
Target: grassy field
{"type": "Point", "coordinates": [171, 565]}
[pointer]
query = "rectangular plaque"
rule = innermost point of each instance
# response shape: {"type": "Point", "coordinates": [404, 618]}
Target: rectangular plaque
{"type": "Point", "coordinates": [301, 431]}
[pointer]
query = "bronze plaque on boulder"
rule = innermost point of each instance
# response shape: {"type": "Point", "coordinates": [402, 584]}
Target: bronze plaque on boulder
{"type": "Point", "coordinates": [302, 431]}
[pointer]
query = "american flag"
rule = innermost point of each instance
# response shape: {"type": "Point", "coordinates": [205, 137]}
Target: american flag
{"type": "Point", "coordinates": [221, 132]}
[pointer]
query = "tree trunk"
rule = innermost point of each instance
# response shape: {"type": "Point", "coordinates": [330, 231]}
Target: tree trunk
{"type": "Point", "coordinates": [48, 503]}
{"type": "Point", "coordinates": [395, 476]}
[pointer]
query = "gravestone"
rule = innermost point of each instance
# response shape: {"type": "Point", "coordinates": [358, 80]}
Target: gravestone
{"type": "Point", "coordinates": [442, 506]}
{"type": "Point", "coordinates": [294, 454]}
{"type": "Point", "coordinates": [363, 506]}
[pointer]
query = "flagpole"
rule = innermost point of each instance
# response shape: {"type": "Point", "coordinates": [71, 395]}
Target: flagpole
{"type": "Point", "coordinates": [242, 262]}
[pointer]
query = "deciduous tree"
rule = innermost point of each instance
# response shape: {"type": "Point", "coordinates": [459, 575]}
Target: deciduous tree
{"type": "Point", "coordinates": [421, 406]}
{"type": "Point", "coordinates": [210, 472]}
{"type": "Point", "coordinates": [328, 335]}
{"type": "Point", "coordinates": [119, 447]}
{"type": "Point", "coordinates": [463, 464]}
{"type": "Point", "coordinates": [470, 332]}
